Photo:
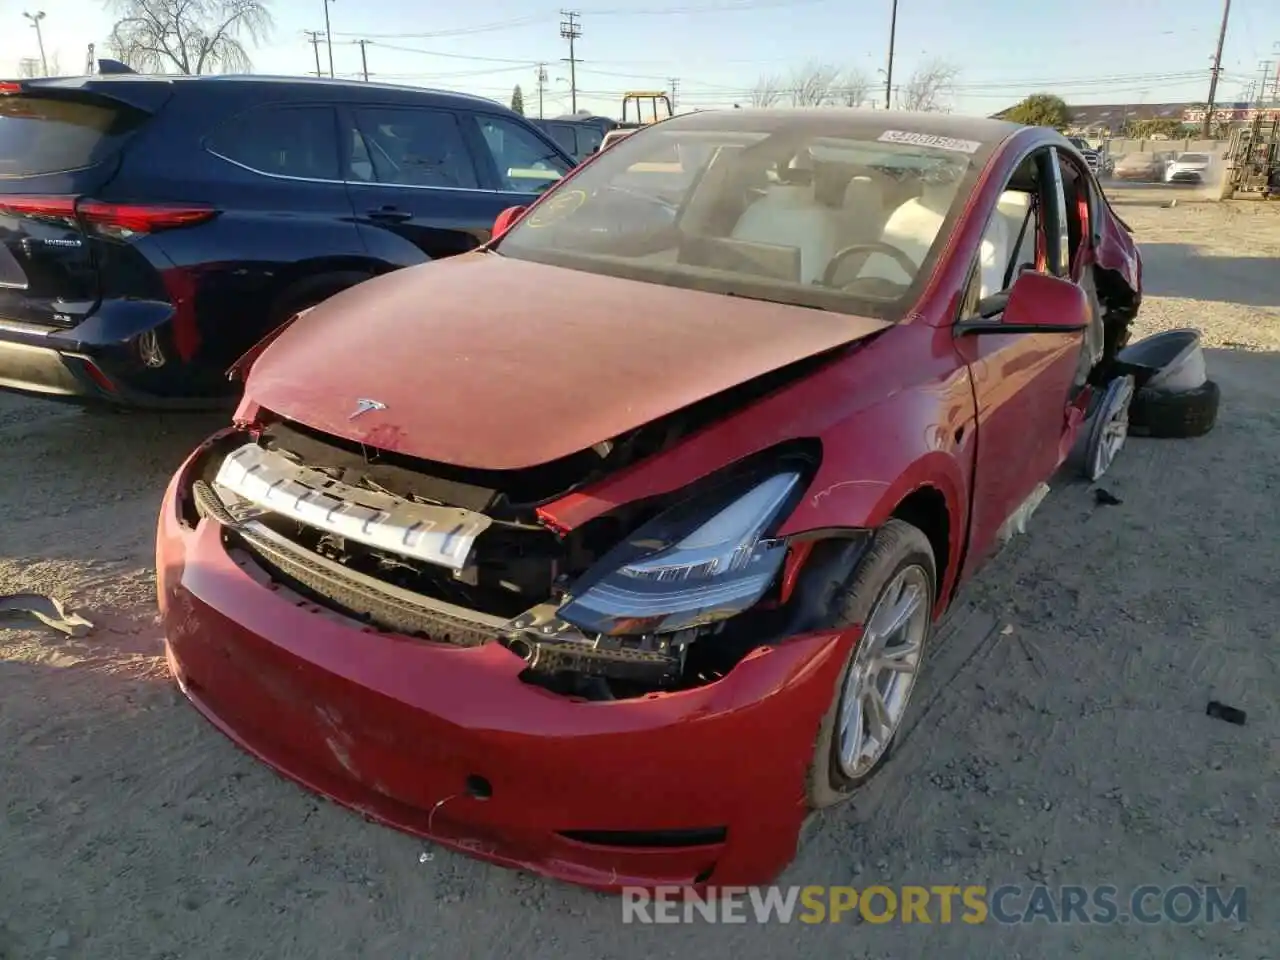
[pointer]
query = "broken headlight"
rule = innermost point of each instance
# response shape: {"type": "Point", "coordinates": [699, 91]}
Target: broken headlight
{"type": "Point", "coordinates": [704, 560]}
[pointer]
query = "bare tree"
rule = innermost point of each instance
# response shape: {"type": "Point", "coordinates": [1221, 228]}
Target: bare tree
{"type": "Point", "coordinates": [767, 92]}
{"type": "Point", "coordinates": [930, 87]}
{"type": "Point", "coordinates": [853, 88]}
{"type": "Point", "coordinates": [813, 84]}
{"type": "Point", "coordinates": [30, 67]}
{"type": "Point", "coordinates": [188, 36]}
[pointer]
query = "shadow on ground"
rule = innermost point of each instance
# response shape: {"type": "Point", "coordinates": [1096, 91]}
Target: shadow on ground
{"type": "Point", "coordinates": [1183, 270]}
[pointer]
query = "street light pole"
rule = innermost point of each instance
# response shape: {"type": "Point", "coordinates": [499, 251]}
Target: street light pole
{"type": "Point", "coordinates": [35, 22]}
{"type": "Point", "coordinates": [328, 36]}
{"type": "Point", "coordinates": [888, 75]}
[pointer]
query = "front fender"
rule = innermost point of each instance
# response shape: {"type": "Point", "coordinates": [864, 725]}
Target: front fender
{"type": "Point", "coordinates": [881, 439]}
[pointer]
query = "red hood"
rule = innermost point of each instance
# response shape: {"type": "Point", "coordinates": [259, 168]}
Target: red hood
{"type": "Point", "coordinates": [493, 363]}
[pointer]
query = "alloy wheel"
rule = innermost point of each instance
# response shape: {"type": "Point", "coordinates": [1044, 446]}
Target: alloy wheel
{"type": "Point", "coordinates": [883, 673]}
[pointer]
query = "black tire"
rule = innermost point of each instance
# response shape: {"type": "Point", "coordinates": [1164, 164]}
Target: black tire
{"type": "Point", "coordinates": [1170, 414]}
{"type": "Point", "coordinates": [897, 545]}
{"type": "Point", "coordinates": [309, 292]}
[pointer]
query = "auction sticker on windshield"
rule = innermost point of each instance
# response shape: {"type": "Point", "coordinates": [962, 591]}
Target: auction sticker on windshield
{"type": "Point", "coordinates": [930, 140]}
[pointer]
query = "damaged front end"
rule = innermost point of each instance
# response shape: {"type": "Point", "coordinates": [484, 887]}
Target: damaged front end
{"type": "Point", "coordinates": [625, 605]}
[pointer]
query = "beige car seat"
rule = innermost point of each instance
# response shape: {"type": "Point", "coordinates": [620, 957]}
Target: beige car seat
{"type": "Point", "coordinates": [911, 228]}
{"type": "Point", "coordinates": [1012, 208]}
{"type": "Point", "coordinates": [861, 212]}
{"type": "Point", "coordinates": [789, 214]}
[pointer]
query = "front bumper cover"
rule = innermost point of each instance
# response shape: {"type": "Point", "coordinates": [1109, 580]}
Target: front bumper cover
{"type": "Point", "coordinates": [698, 786]}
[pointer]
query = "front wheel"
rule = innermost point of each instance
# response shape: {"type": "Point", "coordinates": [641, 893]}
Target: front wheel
{"type": "Point", "coordinates": [891, 593]}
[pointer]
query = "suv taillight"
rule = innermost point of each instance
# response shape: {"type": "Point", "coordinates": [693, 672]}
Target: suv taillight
{"type": "Point", "coordinates": [119, 220]}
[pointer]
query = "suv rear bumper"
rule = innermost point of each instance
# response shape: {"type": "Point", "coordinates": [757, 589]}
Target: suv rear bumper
{"type": "Point", "coordinates": [42, 364]}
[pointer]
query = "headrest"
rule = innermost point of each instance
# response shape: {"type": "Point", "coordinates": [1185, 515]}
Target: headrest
{"type": "Point", "coordinates": [795, 175]}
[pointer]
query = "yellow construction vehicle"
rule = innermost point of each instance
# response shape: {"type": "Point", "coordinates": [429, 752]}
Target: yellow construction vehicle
{"type": "Point", "coordinates": [641, 96]}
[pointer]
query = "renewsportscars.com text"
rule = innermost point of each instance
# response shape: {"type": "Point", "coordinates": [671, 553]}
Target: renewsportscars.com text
{"type": "Point", "coordinates": [1009, 904]}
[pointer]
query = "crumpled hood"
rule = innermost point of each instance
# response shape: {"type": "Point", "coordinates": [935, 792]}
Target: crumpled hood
{"type": "Point", "coordinates": [487, 362]}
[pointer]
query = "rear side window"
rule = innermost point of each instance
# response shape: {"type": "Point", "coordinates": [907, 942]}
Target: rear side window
{"type": "Point", "coordinates": [39, 135]}
{"type": "Point", "coordinates": [589, 139]}
{"type": "Point", "coordinates": [413, 147]}
{"type": "Point", "coordinates": [282, 141]}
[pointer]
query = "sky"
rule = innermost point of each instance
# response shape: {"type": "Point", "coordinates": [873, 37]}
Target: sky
{"type": "Point", "coordinates": [1087, 51]}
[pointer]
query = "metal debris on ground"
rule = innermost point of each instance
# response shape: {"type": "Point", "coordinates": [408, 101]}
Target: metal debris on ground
{"type": "Point", "coordinates": [47, 610]}
{"type": "Point", "coordinates": [1220, 711]}
{"type": "Point", "coordinates": [1106, 497]}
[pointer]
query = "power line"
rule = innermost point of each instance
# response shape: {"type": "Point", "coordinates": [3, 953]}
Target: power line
{"type": "Point", "coordinates": [454, 56]}
{"type": "Point", "coordinates": [741, 7]}
{"type": "Point", "coordinates": [459, 32]}
{"type": "Point", "coordinates": [571, 30]}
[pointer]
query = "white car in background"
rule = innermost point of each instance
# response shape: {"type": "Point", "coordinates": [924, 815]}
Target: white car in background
{"type": "Point", "coordinates": [1187, 168]}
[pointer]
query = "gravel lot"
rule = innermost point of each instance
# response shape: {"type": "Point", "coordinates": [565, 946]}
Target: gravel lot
{"type": "Point", "coordinates": [1060, 737]}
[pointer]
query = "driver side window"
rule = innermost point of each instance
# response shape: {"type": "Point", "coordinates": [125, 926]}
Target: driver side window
{"type": "Point", "coordinates": [1014, 240]}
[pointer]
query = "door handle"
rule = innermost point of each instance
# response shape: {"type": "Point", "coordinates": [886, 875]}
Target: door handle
{"type": "Point", "coordinates": [389, 215]}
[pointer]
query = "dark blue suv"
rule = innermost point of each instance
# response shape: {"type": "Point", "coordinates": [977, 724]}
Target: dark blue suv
{"type": "Point", "coordinates": [154, 229]}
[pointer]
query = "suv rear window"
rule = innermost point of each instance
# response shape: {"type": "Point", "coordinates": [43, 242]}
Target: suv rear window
{"type": "Point", "coordinates": [41, 135]}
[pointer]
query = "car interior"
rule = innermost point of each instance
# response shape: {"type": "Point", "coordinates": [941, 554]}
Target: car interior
{"type": "Point", "coordinates": [846, 220]}
{"type": "Point", "coordinates": [840, 215]}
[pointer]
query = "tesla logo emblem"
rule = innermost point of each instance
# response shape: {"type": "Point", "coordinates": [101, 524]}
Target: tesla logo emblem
{"type": "Point", "coordinates": [364, 406]}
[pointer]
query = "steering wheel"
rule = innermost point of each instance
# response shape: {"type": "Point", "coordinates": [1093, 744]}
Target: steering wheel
{"type": "Point", "coordinates": [874, 246]}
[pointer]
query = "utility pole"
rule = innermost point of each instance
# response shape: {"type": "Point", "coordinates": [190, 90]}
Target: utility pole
{"type": "Point", "coordinates": [35, 19]}
{"type": "Point", "coordinates": [542, 86]}
{"type": "Point", "coordinates": [675, 91]}
{"type": "Point", "coordinates": [1275, 82]}
{"type": "Point", "coordinates": [571, 30]}
{"type": "Point", "coordinates": [1217, 70]}
{"type": "Point", "coordinates": [328, 35]}
{"type": "Point", "coordinates": [364, 60]}
{"type": "Point", "coordinates": [1264, 81]}
{"type": "Point", "coordinates": [313, 38]}
{"type": "Point", "coordinates": [888, 74]}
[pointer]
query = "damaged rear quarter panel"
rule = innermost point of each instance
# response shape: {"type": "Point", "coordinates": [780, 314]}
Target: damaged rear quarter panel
{"type": "Point", "coordinates": [892, 415]}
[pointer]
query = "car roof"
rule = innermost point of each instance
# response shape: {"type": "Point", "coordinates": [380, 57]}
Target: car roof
{"type": "Point", "coordinates": [853, 123]}
{"type": "Point", "coordinates": [445, 97]}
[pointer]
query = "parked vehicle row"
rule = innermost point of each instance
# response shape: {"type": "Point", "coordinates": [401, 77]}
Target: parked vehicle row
{"type": "Point", "coordinates": [578, 137]}
{"type": "Point", "coordinates": [153, 229]}
{"type": "Point", "coordinates": [526, 550]}
{"type": "Point", "coordinates": [1164, 167]}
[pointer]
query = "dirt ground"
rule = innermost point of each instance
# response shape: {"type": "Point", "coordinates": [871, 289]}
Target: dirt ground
{"type": "Point", "coordinates": [1060, 735]}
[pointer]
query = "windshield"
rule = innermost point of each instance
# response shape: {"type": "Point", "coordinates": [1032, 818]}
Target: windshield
{"type": "Point", "coordinates": [1193, 158]}
{"type": "Point", "coordinates": [817, 212]}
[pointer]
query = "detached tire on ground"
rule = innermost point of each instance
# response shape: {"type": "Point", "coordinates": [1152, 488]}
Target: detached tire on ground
{"type": "Point", "coordinates": [1169, 414]}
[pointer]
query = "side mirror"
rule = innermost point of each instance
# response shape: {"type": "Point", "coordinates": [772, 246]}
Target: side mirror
{"type": "Point", "coordinates": [505, 219]}
{"type": "Point", "coordinates": [1036, 303]}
